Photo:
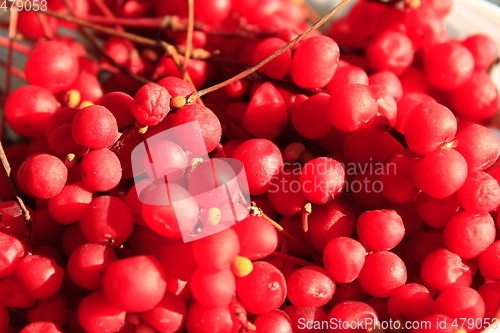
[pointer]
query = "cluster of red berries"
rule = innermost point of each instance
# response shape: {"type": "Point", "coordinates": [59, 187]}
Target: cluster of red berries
{"type": "Point", "coordinates": [369, 145]}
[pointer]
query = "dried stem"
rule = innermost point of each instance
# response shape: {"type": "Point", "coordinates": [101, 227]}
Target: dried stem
{"type": "Point", "coordinates": [8, 170]}
{"type": "Point", "coordinates": [189, 38]}
{"type": "Point", "coordinates": [253, 69]}
{"type": "Point", "coordinates": [306, 211]}
{"type": "Point", "coordinates": [111, 31]}
{"type": "Point", "coordinates": [100, 50]}
{"type": "Point", "coordinates": [164, 22]}
{"type": "Point", "coordinates": [168, 48]}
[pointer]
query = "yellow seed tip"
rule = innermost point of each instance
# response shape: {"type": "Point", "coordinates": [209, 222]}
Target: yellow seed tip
{"type": "Point", "coordinates": [242, 266]}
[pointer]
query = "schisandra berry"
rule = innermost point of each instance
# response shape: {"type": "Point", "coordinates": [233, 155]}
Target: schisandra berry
{"type": "Point", "coordinates": [344, 257]}
{"type": "Point", "coordinates": [380, 230]}
{"type": "Point", "coordinates": [448, 65]}
{"type": "Point", "coordinates": [151, 104]}
{"type": "Point", "coordinates": [11, 253]}
{"type": "Point", "coordinates": [268, 103]}
{"type": "Point", "coordinates": [87, 264]}
{"type": "Point", "coordinates": [351, 107]}
{"type": "Point", "coordinates": [51, 65]}
{"type": "Point", "coordinates": [260, 168]}
{"type": "Point", "coordinates": [278, 67]}
{"type": "Point", "coordinates": [382, 273]}
{"type": "Point", "coordinates": [314, 62]}
{"type": "Point", "coordinates": [95, 127]}
{"type": "Point", "coordinates": [96, 314]}
{"type": "Point", "coordinates": [106, 220]}
{"type": "Point", "coordinates": [134, 284]}
{"type": "Point", "coordinates": [429, 126]}
{"type": "Point", "coordinates": [40, 276]}
{"type": "Point", "coordinates": [101, 170]}
{"type": "Point", "coordinates": [262, 290]}
{"type": "Point", "coordinates": [42, 176]}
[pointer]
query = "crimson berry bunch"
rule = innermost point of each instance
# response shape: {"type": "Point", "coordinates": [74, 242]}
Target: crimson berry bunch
{"type": "Point", "coordinates": [371, 173]}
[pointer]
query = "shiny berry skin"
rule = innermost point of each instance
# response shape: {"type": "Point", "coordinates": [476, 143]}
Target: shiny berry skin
{"type": "Point", "coordinates": [42, 176]}
{"type": "Point", "coordinates": [448, 65]}
{"type": "Point", "coordinates": [351, 107]}
{"type": "Point", "coordinates": [310, 287]}
{"type": "Point", "coordinates": [51, 65]}
{"type": "Point", "coordinates": [262, 290]}
{"type": "Point", "coordinates": [106, 220]}
{"type": "Point", "coordinates": [429, 126]}
{"type": "Point", "coordinates": [267, 103]}
{"type": "Point", "coordinates": [28, 108]}
{"type": "Point", "coordinates": [382, 273]}
{"type": "Point", "coordinates": [344, 257]}
{"type": "Point", "coordinates": [208, 123]}
{"type": "Point", "coordinates": [97, 315]}
{"type": "Point", "coordinates": [441, 173]}
{"type": "Point", "coordinates": [87, 264]}
{"type": "Point", "coordinates": [40, 276]}
{"type": "Point", "coordinates": [95, 127]}
{"type": "Point", "coordinates": [380, 230]}
{"type": "Point", "coordinates": [262, 160]}
{"type": "Point", "coordinates": [11, 253]}
{"type": "Point", "coordinates": [391, 50]}
{"type": "Point", "coordinates": [314, 62]}
{"type": "Point", "coordinates": [134, 284]}
{"type": "Point", "coordinates": [468, 233]}
{"type": "Point", "coordinates": [101, 170]}
{"type": "Point", "coordinates": [442, 268]}
{"type": "Point", "coordinates": [322, 180]}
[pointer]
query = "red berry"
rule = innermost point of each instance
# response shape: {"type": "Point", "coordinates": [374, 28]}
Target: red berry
{"type": "Point", "coordinates": [448, 65]}
{"type": "Point", "coordinates": [351, 107]}
{"type": "Point", "coordinates": [134, 284]}
{"type": "Point", "coordinates": [95, 127]}
{"type": "Point", "coordinates": [51, 65]}
{"type": "Point", "coordinates": [314, 62]}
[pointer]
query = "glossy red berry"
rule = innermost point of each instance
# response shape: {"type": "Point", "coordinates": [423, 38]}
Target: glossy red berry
{"type": "Point", "coordinates": [314, 62]}
{"type": "Point", "coordinates": [51, 65]}
{"type": "Point", "coordinates": [134, 284]}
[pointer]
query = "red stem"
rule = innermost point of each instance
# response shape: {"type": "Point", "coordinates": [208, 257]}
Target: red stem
{"type": "Point", "coordinates": [16, 46]}
{"type": "Point", "coordinates": [107, 12]}
{"type": "Point", "coordinates": [13, 70]}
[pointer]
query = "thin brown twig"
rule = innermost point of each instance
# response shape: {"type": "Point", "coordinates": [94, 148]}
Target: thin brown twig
{"type": "Point", "coordinates": [8, 170]}
{"type": "Point", "coordinates": [175, 23]}
{"type": "Point", "coordinates": [168, 48]}
{"type": "Point", "coordinates": [306, 211]}
{"type": "Point", "coordinates": [110, 31]}
{"type": "Point", "coordinates": [189, 38]}
{"type": "Point", "coordinates": [163, 22]}
{"type": "Point", "coordinates": [253, 69]}
{"type": "Point", "coordinates": [99, 49]}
